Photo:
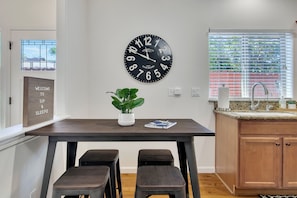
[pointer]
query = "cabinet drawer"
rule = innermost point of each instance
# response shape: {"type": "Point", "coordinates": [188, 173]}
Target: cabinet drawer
{"type": "Point", "coordinates": [267, 127]}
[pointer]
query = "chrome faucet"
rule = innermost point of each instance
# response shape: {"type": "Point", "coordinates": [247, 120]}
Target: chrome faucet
{"type": "Point", "coordinates": [253, 105]}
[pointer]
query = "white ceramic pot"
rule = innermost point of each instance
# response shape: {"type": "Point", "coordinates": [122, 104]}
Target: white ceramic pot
{"type": "Point", "coordinates": [126, 119]}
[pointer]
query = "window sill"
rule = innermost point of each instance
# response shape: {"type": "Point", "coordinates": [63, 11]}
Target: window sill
{"type": "Point", "coordinates": [16, 134]}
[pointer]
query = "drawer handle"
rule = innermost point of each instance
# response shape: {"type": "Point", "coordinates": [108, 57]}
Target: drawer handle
{"type": "Point", "coordinates": [277, 144]}
{"type": "Point", "coordinates": [288, 144]}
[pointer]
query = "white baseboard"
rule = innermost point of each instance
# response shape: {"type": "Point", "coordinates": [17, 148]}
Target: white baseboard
{"type": "Point", "coordinates": [207, 169]}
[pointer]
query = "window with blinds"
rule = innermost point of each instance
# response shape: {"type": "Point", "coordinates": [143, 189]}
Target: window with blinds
{"type": "Point", "coordinates": [238, 60]}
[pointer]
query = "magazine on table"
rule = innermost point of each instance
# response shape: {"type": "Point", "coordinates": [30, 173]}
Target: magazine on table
{"type": "Point", "coordinates": [160, 124]}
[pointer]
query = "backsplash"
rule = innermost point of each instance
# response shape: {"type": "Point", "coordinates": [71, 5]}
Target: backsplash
{"type": "Point", "coordinates": [245, 105]}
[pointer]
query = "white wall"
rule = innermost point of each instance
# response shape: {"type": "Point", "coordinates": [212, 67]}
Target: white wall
{"type": "Point", "coordinates": [6, 165]}
{"type": "Point", "coordinates": [97, 33]}
{"type": "Point", "coordinates": [92, 36]}
{"type": "Point", "coordinates": [28, 166]}
{"type": "Point", "coordinates": [21, 166]}
{"type": "Point", "coordinates": [18, 14]}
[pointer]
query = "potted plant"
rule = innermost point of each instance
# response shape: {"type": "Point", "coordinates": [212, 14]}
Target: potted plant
{"type": "Point", "coordinates": [126, 100]}
{"type": "Point", "coordinates": [291, 104]}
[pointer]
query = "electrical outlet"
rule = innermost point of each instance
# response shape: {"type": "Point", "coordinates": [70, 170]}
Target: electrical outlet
{"type": "Point", "coordinates": [195, 92]}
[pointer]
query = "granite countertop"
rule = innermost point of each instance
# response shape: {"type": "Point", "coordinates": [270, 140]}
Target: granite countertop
{"type": "Point", "coordinates": [240, 110]}
{"type": "Point", "coordinates": [260, 115]}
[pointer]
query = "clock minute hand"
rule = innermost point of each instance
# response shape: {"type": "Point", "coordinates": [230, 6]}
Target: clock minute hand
{"type": "Point", "coordinates": [143, 56]}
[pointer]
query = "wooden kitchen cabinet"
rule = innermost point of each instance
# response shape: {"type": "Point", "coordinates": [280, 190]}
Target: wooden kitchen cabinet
{"type": "Point", "coordinates": [290, 162]}
{"type": "Point", "coordinates": [256, 156]}
{"type": "Point", "coordinates": [260, 162]}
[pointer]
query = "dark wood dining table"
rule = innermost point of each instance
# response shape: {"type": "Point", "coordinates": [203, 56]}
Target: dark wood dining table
{"type": "Point", "coordinates": [73, 131]}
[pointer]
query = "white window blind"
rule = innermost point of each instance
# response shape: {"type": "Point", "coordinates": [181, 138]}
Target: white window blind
{"type": "Point", "coordinates": [238, 60]}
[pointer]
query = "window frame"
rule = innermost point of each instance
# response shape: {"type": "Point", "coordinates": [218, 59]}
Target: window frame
{"type": "Point", "coordinates": [219, 36]}
{"type": "Point", "coordinates": [38, 55]}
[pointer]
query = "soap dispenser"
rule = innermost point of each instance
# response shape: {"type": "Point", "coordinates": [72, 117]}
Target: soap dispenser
{"type": "Point", "coordinates": [282, 103]}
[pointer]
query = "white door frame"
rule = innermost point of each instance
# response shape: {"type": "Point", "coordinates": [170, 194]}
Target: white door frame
{"type": "Point", "coordinates": [16, 75]}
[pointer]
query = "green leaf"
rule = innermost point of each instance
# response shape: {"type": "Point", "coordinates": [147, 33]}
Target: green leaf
{"type": "Point", "coordinates": [126, 99]}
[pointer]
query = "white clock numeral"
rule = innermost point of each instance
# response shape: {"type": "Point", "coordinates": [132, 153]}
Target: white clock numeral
{"type": "Point", "coordinates": [157, 42]}
{"type": "Point", "coordinates": [165, 58]}
{"type": "Point", "coordinates": [130, 58]}
{"type": "Point", "coordinates": [140, 72]}
{"type": "Point", "coordinates": [132, 49]}
{"type": "Point", "coordinates": [133, 67]}
{"type": "Point", "coordinates": [162, 50]}
{"type": "Point", "coordinates": [164, 67]}
{"type": "Point", "coordinates": [148, 40]}
{"type": "Point", "coordinates": [138, 43]}
{"type": "Point", "coordinates": [148, 75]}
{"type": "Point", "coordinates": [157, 73]}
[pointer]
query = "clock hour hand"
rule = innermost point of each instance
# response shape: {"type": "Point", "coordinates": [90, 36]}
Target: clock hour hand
{"type": "Point", "coordinates": [143, 56]}
{"type": "Point", "coordinates": [147, 55]}
{"type": "Point", "coordinates": [148, 58]}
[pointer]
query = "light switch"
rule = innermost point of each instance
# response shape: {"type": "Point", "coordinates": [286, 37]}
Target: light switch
{"type": "Point", "coordinates": [177, 91]}
{"type": "Point", "coordinates": [170, 92]}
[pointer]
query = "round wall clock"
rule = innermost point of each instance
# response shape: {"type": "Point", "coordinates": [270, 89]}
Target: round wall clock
{"type": "Point", "coordinates": [148, 58]}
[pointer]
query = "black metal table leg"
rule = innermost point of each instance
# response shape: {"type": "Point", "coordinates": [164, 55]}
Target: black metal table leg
{"type": "Point", "coordinates": [71, 156]}
{"type": "Point", "coordinates": [191, 157]}
{"type": "Point", "coordinates": [48, 166]}
{"type": "Point", "coordinates": [183, 163]}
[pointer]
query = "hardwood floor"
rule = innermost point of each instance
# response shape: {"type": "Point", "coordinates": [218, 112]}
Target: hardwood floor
{"type": "Point", "coordinates": [210, 187]}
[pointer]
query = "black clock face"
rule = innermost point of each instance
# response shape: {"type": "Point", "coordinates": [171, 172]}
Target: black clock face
{"type": "Point", "coordinates": [148, 58]}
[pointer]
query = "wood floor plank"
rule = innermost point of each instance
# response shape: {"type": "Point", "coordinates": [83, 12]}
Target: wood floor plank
{"type": "Point", "coordinates": [210, 187]}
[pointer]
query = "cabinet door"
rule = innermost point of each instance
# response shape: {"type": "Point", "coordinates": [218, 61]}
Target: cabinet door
{"type": "Point", "coordinates": [260, 162]}
{"type": "Point", "coordinates": [290, 162]}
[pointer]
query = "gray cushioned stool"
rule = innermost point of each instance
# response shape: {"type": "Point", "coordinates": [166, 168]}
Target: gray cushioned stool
{"type": "Point", "coordinates": [88, 180]}
{"type": "Point", "coordinates": [106, 157]}
{"type": "Point", "coordinates": [160, 180]}
{"type": "Point", "coordinates": [155, 157]}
